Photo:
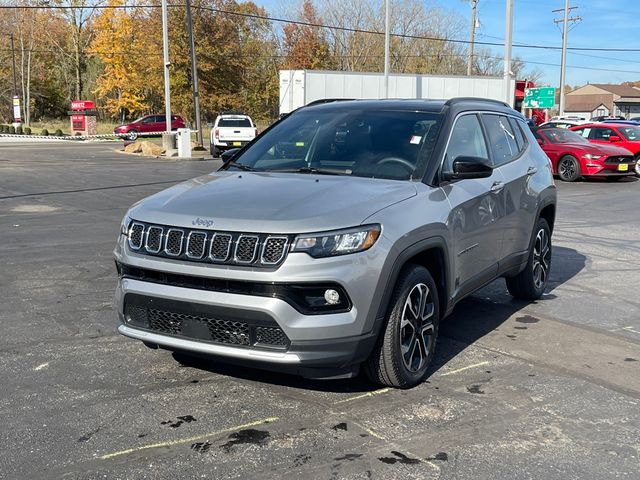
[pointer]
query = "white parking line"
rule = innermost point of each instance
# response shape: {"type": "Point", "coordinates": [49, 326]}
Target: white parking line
{"type": "Point", "coordinates": [41, 366]}
{"type": "Point", "coordinates": [453, 372]}
{"type": "Point", "coordinates": [364, 395]}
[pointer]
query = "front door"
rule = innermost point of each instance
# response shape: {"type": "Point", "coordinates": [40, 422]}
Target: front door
{"type": "Point", "coordinates": [475, 209]}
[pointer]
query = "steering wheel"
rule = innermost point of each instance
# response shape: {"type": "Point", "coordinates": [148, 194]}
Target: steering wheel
{"type": "Point", "coordinates": [405, 163]}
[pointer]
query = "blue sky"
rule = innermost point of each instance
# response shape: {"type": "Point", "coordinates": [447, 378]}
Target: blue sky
{"type": "Point", "coordinates": [605, 24]}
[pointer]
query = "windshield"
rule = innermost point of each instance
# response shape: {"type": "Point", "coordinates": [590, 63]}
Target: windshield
{"type": "Point", "coordinates": [363, 143]}
{"type": "Point", "coordinates": [630, 133]}
{"type": "Point", "coordinates": [558, 135]}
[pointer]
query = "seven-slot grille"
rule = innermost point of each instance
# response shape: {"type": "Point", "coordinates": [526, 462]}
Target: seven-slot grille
{"type": "Point", "coordinates": [208, 246]}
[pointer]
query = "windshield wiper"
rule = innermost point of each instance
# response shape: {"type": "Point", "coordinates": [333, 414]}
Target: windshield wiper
{"type": "Point", "coordinates": [312, 170]}
{"type": "Point", "coordinates": [240, 166]}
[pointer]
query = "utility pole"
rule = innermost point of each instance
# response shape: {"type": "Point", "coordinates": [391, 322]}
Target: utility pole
{"type": "Point", "coordinates": [386, 48]}
{"type": "Point", "coordinates": [167, 141]}
{"type": "Point", "coordinates": [472, 40]}
{"type": "Point", "coordinates": [13, 53]}
{"type": "Point", "coordinates": [565, 30]}
{"type": "Point", "coordinates": [194, 75]}
{"type": "Point", "coordinates": [508, 34]}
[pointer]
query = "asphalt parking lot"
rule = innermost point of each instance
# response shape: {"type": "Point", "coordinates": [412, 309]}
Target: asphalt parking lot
{"type": "Point", "coordinates": [549, 390]}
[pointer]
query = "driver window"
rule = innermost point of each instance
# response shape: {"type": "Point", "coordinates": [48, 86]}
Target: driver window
{"type": "Point", "coordinates": [466, 140]}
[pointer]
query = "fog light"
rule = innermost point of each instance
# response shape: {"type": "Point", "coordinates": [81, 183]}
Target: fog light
{"type": "Point", "coordinates": [332, 297]}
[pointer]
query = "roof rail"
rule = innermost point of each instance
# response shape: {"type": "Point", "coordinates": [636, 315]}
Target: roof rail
{"type": "Point", "coordinates": [456, 100]}
{"type": "Point", "coordinates": [328, 100]}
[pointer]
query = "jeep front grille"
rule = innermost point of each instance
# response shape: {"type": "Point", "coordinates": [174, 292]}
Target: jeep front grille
{"type": "Point", "coordinates": [256, 250]}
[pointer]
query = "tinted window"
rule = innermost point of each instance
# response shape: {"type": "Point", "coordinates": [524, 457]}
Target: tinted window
{"type": "Point", "coordinates": [516, 127]}
{"type": "Point", "coordinates": [234, 122]}
{"type": "Point", "coordinates": [467, 140]}
{"type": "Point", "coordinates": [364, 143]}
{"type": "Point", "coordinates": [601, 133]}
{"type": "Point", "coordinates": [502, 140]}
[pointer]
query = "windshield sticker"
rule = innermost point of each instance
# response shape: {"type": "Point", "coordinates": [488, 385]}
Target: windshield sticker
{"type": "Point", "coordinates": [299, 144]}
{"type": "Point", "coordinates": [415, 139]}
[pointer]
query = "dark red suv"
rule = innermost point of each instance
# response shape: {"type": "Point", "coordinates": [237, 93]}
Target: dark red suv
{"type": "Point", "coordinates": [148, 125]}
{"type": "Point", "coordinates": [621, 135]}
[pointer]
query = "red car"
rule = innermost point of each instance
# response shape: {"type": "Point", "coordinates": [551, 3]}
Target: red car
{"type": "Point", "coordinates": [149, 124]}
{"type": "Point", "coordinates": [572, 156]}
{"type": "Point", "coordinates": [619, 134]}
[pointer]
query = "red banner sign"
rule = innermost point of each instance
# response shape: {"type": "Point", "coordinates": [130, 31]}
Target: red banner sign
{"type": "Point", "coordinates": [78, 122]}
{"type": "Point", "coordinates": [82, 105]}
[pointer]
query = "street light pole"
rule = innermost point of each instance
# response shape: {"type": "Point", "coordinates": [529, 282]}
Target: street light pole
{"type": "Point", "coordinates": [194, 75]}
{"type": "Point", "coordinates": [167, 64]}
{"type": "Point", "coordinates": [386, 48]}
{"type": "Point", "coordinates": [507, 51]}
{"type": "Point", "coordinates": [472, 40]}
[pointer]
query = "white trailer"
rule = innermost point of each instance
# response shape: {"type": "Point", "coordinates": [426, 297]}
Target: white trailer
{"type": "Point", "coordinates": [301, 87]}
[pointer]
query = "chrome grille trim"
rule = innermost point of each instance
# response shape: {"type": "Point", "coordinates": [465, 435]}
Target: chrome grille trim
{"type": "Point", "coordinates": [242, 239]}
{"type": "Point", "coordinates": [208, 246]}
{"type": "Point", "coordinates": [150, 231]}
{"type": "Point", "coordinates": [191, 242]}
{"type": "Point", "coordinates": [168, 238]}
{"type": "Point", "coordinates": [133, 231]}
{"type": "Point", "coordinates": [266, 245]}
{"type": "Point", "coordinates": [213, 242]}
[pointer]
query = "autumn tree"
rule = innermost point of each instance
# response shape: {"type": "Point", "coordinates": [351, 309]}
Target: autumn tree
{"type": "Point", "coordinates": [123, 46]}
{"type": "Point", "coordinates": [305, 46]}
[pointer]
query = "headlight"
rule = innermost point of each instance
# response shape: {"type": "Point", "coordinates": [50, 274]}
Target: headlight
{"type": "Point", "coordinates": [338, 242]}
{"type": "Point", "coordinates": [124, 225]}
{"type": "Point", "coordinates": [591, 156]}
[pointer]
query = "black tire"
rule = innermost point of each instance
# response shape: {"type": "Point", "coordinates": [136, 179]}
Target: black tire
{"type": "Point", "coordinates": [216, 152]}
{"type": "Point", "coordinates": [132, 135]}
{"type": "Point", "coordinates": [637, 167]}
{"type": "Point", "coordinates": [568, 169]}
{"type": "Point", "coordinates": [387, 364]}
{"type": "Point", "coordinates": [531, 282]}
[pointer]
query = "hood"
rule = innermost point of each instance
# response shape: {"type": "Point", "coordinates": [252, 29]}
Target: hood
{"type": "Point", "coordinates": [271, 202]}
{"type": "Point", "coordinates": [600, 149]}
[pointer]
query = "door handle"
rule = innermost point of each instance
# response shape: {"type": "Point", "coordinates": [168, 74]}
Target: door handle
{"type": "Point", "coordinates": [497, 187]}
{"type": "Point", "coordinates": [532, 170]}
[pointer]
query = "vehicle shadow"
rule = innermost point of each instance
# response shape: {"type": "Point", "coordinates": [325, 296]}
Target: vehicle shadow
{"type": "Point", "coordinates": [488, 308]}
{"type": "Point", "coordinates": [472, 319]}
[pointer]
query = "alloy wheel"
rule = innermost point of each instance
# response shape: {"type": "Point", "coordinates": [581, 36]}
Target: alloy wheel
{"type": "Point", "coordinates": [567, 169]}
{"type": "Point", "coordinates": [541, 258]}
{"type": "Point", "coordinates": [416, 328]}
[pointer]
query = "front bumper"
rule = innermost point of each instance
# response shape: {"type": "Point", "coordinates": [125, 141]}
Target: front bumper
{"type": "Point", "coordinates": [319, 344]}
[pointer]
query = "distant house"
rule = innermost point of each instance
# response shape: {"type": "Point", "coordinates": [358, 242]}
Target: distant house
{"type": "Point", "coordinates": [598, 99]}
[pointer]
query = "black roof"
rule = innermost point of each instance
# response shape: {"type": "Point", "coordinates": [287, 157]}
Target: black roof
{"type": "Point", "coordinates": [422, 105]}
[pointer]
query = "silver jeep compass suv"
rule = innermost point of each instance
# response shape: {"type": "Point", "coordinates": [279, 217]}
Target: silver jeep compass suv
{"type": "Point", "coordinates": [340, 238]}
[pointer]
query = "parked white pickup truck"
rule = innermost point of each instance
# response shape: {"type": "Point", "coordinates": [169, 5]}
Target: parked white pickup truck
{"type": "Point", "coordinates": [231, 130]}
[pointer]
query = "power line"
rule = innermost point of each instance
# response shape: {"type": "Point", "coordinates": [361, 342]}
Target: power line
{"type": "Point", "coordinates": [318, 25]}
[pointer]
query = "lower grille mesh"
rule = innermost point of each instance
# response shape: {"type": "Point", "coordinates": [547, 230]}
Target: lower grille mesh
{"type": "Point", "coordinates": [206, 328]}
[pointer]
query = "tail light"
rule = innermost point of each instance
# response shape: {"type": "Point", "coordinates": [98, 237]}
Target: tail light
{"type": "Point", "coordinates": [216, 133]}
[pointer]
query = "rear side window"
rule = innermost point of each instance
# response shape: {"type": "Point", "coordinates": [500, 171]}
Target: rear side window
{"type": "Point", "coordinates": [517, 126]}
{"type": "Point", "coordinates": [502, 140]}
{"type": "Point", "coordinates": [234, 122]}
{"type": "Point", "coordinates": [467, 140]}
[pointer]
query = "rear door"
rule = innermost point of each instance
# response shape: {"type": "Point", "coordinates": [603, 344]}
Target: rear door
{"type": "Point", "coordinates": [234, 130]}
{"type": "Point", "coordinates": [474, 209]}
{"type": "Point", "coordinates": [509, 146]}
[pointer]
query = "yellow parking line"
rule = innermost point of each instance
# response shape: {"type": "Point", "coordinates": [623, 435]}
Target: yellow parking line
{"type": "Point", "coordinates": [476, 365]}
{"type": "Point", "coordinates": [369, 431]}
{"type": "Point", "coordinates": [364, 395]}
{"type": "Point", "coordinates": [188, 440]}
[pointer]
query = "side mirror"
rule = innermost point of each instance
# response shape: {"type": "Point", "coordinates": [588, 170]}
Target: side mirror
{"type": "Point", "coordinates": [614, 138]}
{"type": "Point", "coordinates": [540, 141]}
{"type": "Point", "coordinates": [228, 155]}
{"type": "Point", "coordinates": [469, 167]}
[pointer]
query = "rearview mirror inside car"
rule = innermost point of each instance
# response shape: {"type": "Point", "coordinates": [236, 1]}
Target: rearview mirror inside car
{"type": "Point", "coordinates": [469, 167]}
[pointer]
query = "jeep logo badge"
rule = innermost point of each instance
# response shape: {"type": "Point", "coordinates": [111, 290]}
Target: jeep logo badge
{"type": "Point", "coordinates": [202, 222]}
